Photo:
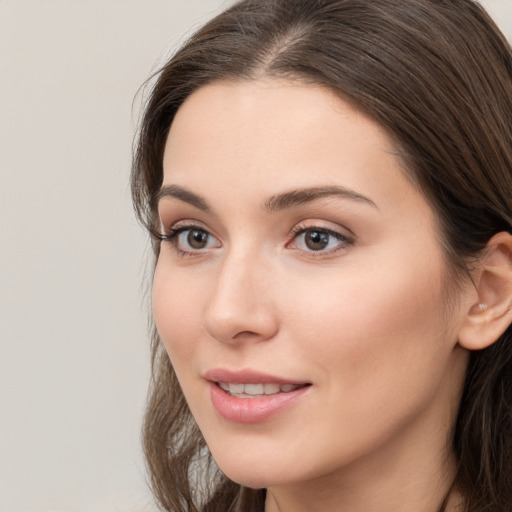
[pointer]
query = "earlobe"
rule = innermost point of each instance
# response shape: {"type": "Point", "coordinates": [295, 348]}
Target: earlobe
{"type": "Point", "coordinates": [490, 316]}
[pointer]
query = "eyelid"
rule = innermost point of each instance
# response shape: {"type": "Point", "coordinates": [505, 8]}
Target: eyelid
{"type": "Point", "coordinates": [187, 223]}
{"type": "Point", "coordinates": [172, 234]}
{"type": "Point", "coordinates": [345, 240]}
{"type": "Point", "coordinates": [168, 232]}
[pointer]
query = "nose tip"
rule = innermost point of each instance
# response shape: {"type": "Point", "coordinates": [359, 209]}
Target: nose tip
{"type": "Point", "coordinates": [240, 309]}
{"type": "Point", "coordinates": [237, 326]}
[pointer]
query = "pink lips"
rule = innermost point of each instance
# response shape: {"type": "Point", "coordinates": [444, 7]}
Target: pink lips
{"type": "Point", "coordinates": [251, 410]}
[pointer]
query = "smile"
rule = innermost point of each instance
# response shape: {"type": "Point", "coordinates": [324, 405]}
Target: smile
{"type": "Point", "coordinates": [254, 402]}
{"type": "Point", "coordinates": [257, 390]}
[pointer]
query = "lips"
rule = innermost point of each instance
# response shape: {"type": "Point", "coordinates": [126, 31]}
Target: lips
{"type": "Point", "coordinates": [248, 377]}
{"type": "Point", "coordinates": [257, 390]}
{"type": "Point", "coordinates": [252, 397]}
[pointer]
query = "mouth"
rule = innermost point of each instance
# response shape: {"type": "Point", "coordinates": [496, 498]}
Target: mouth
{"type": "Point", "coordinates": [254, 390]}
{"type": "Point", "coordinates": [251, 396]}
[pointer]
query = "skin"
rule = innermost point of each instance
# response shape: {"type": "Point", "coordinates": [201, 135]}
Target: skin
{"type": "Point", "coordinates": [364, 321]}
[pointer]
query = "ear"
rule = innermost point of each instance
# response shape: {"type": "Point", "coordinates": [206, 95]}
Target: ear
{"type": "Point", "coordinates": [490, 315]}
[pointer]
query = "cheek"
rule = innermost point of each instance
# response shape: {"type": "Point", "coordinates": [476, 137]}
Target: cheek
{"type": "Point", "coordinates": [176, 311]}
{"type": "Point", "coordinates": [379, 328]}
{"type": "Point", "coordinates": [376, 344]}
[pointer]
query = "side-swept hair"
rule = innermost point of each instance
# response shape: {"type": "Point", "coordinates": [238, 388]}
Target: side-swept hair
{"type": "Point", "coordinates": [437, 75]}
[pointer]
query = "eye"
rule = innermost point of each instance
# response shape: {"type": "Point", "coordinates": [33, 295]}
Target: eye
{"type": "Point", "coordinates": [319, 240]}
{"type": "Point", "coordinates": [190, 239]}
{"type": "Point", "coordinates": [194, 239]}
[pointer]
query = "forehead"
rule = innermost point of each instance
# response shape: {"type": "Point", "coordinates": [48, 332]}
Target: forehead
{"type": "Point", "coordinates": [269, 107]}
{"type": "Point", "coordinates": [268, 136]}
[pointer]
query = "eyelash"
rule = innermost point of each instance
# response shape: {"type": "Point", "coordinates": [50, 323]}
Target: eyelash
{"type": "Point", "coordinates": [172, 237]}
{"type": "Point", "coordinates": [345, 242]}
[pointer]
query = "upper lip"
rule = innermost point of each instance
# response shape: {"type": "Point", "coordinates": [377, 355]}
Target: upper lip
{"type": "Point", "coordinates": [247, 376]}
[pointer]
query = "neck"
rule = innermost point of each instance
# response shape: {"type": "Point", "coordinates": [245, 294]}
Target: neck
{"type": "Point", "coordinates": [452, 502]}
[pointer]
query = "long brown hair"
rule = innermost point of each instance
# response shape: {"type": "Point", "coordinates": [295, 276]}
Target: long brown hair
{"type": "Point", "coordinates": [437, 75]}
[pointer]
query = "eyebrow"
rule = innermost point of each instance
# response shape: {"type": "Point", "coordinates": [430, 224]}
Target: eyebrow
{"type": "Point", "coordinates": [275, 203]}
{"type": "Point", "coordinates": [183, 195]}
{"type": "Point", "coordinates": [306, 195]}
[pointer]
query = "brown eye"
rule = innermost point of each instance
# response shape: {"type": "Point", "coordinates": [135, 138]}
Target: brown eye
{"type": "Point", "coordinates": [316, 240]}
{"type": "Point", "coordinates": [197, 239]}
{"type": "Point", "coordinates": [319, 240]}
{"type": "Point", "coordinates": [190, 239]}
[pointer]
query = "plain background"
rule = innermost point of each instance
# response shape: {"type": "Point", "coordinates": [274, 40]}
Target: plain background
{"type": "Point", "coordinates": [73, 347]}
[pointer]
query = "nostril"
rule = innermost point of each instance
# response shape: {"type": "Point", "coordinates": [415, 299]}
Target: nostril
{"type": "Point", "coordinates": [246, 334]}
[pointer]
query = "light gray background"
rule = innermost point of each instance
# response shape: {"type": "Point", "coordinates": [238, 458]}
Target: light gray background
{"type": "Point", "coordinates": [73, 344]}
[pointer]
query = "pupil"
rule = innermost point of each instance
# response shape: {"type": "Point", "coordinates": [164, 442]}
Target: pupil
{"type": "Point", "coordinates": [197, 239]}
{"type": "Point", "coordinates": [316, 240]}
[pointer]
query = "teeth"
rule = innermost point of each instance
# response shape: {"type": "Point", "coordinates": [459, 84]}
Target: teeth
{"type": "Point", "coordinates": [270, 389]}
{"type": "Point", "coordinates": [254, 390]}
{"type": "Point", "coordinates": [223, 385]}
{"type": "Point", "coordinates": [236, 388]}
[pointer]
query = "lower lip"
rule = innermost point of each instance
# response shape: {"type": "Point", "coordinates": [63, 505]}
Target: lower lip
{"type": "Point", "coordinates": [252, 410]}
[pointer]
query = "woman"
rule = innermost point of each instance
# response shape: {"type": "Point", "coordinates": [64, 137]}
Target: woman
{"type": "Point", "coordinates": [328, 186]}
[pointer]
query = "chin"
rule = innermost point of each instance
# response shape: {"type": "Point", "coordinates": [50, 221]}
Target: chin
{"type": "Point", "coordinates": [256, 474]}
{"type": "Point", "coordinates": [260, 480]}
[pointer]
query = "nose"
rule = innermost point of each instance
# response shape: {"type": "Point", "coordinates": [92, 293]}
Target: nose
{"type": "Point", "coordinates": [240, 309]}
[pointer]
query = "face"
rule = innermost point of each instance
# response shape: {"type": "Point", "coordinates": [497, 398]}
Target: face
{"type": "Point", "coordinates": [299, 288]}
